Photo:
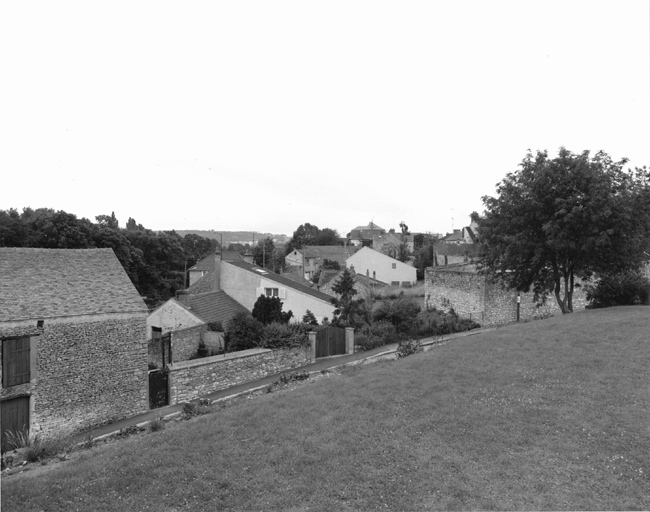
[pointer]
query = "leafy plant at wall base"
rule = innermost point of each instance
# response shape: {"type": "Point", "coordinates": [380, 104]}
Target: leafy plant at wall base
{"type": "Point", "coordinates": [407, 348]}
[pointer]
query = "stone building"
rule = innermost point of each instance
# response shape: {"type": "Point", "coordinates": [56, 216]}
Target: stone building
{"type": "Point", "coordinates": [473, 295]}
{"type": "Point", "coordinates": [73, 332]}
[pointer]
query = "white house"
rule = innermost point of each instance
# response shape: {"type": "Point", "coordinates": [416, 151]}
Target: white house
{"type": "Point", "coordinates": [382, 268]}
{"type": "Point", "coordinates": [245, 283]}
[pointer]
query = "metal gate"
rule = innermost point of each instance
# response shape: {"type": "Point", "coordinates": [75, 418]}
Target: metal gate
{"type": "Point", "coordinates": [14, 415]}
{"type": "Point", "coordinates": [158, 388]}
{"type": "Point", "coordinates": [330, 341]}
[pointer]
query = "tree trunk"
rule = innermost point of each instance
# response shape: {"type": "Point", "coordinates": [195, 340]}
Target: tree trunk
{"type": "Point", "coordinates": [570, 291]}
{"type": "Point", "coordinates": [558, 289]}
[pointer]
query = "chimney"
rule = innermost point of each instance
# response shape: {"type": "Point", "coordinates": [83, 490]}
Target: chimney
{"type": "Point", "coordinates": [183, 297]}
{"type": "Point", "coordinates": [217, 272]}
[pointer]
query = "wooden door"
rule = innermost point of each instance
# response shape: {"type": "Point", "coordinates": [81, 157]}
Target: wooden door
{"type": "Point", "coordinates": [14, 415]}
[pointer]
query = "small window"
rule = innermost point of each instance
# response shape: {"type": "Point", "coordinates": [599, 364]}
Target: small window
{"type": "Point", "coordinates": [15, 362]}
{"type": "Point", "coordinates": [271, 292]}
{"type": "Point", "coordinates": [394, 283]}
{"type": "Point", "coordinates": [156, 333]}
{"type": "Point", "coordinates": [394, 265]}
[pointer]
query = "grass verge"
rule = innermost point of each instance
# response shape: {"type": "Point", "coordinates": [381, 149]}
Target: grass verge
{"type": "Point", "coordinates": [548, 415]}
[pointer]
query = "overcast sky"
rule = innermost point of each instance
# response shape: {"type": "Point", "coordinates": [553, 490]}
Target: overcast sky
{"type": "Point", "coordinates": [261, 116]}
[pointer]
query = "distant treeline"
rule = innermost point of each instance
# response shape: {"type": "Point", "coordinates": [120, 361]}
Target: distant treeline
{"type": "Point", "coordinates": [154, 260]}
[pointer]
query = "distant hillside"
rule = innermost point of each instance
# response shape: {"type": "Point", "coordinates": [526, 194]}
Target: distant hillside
{"type": "Point", "coordinates": [234, 237]}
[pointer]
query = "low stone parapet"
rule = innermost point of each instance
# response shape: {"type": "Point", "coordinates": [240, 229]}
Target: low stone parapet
{"type": "Point", "coordinates": [189, 380]}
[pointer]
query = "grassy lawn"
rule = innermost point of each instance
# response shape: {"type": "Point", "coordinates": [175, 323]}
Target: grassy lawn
{"type": "Point", "coordinates": [547, 415]}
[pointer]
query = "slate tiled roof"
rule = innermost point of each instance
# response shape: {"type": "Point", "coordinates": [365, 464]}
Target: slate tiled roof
{"type": "Point", "coordinates": [206, 263]}
{"type": "Point", "coordinates": [272, 276]}
{"type": "Point", "coordinates": [470, 250]}
{"type": "Point", "coordinates": [215, 306]}
{"type": "Point", "coordinates": [47, 283]}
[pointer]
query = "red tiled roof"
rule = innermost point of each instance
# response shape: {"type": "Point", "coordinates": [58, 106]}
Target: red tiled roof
{"type": "Point", "coordinates": [46, 283]}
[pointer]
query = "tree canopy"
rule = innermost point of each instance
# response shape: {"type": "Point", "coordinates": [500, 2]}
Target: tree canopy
{"type": "Point", "coordinates": [309, 234]}
{"type": "Point", "coordinates": [154, 260]}
{"type": "Point", "coordinates": [555, 219]}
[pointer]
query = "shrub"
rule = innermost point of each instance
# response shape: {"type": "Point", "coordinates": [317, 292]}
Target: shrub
{"type": "Point", "coordinates": [309, 318]}
{"type": "Point", "coordinates": [433, 322]}
{"type": "Point", "coordinates": [191, 409]}
{"type": "Point", "coordinates": [401, 312]}
{"type": "Point", "coordinates": [407, 348]}
{"type": "Point", "coordinates": [243, 332]}
{"type": "Point", "coordinates": [376, 335]}
{"type": "Point", "coordinates": [269, 309]}
{"type": "Point", "coordinates": [279, 335]}
{"type": "Point", "coordinates": [37, 448]}
{"type": "Point", "coordinates": [156, 425]}
{"type": "Point", "coordinates": [202, 350]}
{"type": "Point", "coordinates": [623, 289]}
{"type": "Point", "coordinates": [215, 326]}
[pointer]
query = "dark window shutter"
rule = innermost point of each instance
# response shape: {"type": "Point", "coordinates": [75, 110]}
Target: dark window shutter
{"type": "Point", "coordinates": [15, 362]}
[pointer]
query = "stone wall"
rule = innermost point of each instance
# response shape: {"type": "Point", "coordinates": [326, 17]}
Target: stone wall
{"type": "Point", "coordinates": [86, 373]}
{"type": "Point", "coordinates": [464, 291]}
{"type": "Point", "coordinates": [471, 295]}
{"type": "Point", "coordinates": [192, 379]}
{"type": "Point", "coordinates": [185, 342]}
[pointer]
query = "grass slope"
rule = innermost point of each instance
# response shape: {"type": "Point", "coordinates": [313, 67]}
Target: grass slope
{"type": "Point", "coordinates": [548, 415]}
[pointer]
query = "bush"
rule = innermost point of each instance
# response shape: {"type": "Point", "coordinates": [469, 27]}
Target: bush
{"type": "Point", "coordinates": [309, 318]}
{"type": "Point", "coordinates": [433, 322]}
{"type": "Point", "coordinates": [279, 335]}
{"type": "Point", "coordinates": [243, 332]}
{"type": "Point", "coordinates": [401, 312]}
{"type": "Point", "coordinates": [215, 326]}
{"type": "Point", "coordinates": [269, 309]}
{"type": "Point", "coordinates": [37, 448]}
{"type": "Point", "coordinates": [623, 289]}
{"type": "Point", "coordinates": [407, 348]}
{"type": "Point", "coordinates": [157, 425]}
{"type": "Point", "coordinates": [376, 335]}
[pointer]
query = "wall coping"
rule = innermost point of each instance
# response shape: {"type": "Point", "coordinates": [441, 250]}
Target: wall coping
{"type": "Point", "coordinates": [192, 363]}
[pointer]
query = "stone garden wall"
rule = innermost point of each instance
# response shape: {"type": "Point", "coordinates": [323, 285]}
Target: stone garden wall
{"type": "Point", "coordinates": [191, 379]}
{"type": "Point", "coordinates": [473, 296]}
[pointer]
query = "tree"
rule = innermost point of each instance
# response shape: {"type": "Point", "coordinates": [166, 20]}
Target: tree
{"type": "Point", "coordinates": [266, 256]}
{"type": "Point", "coordinates": [108, 220]}
{"type": "Point", "coordinates": [309, 318]}
{"type": "Point", "coordinates": [557, 219]}
{"type": "Point", "coordinates": [308, 234]}
{"type": "Point", "coordinates": [269, 309]}
{"type": "Point", "coordinates": [349, 311]}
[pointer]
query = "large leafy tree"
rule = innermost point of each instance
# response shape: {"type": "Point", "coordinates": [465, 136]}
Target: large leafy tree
{"type": "Point", "coordinates": [309, 234]}
{"type": "Point", "coordinates": [555, 219]}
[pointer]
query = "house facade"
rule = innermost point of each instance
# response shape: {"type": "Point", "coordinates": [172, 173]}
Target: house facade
{"type": "Point", "coordinates": [311, 258]}
{"type": "Point", "coordinates": [390, 243]}
{"type": "Point", "coordinates": [475, 296]}
{"type": "Point", "coordinates": [245, 283]}
{"type": "Point", "coordinates": [382, 268]}
{"type": "Point", "coordinates": [364, 234]}
{"type": "Point", "coordinates": [73, 333]}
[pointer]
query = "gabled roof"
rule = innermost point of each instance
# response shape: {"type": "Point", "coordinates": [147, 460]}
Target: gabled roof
{"type": "Point", "coordinates": [377, 254]}
{"type": "Point", "coordinates": [46, 283]}
{"type": "Point", "coordinates": [471, 250]}
{"type": "Point", "coordinates": [215, 306]}
{"type": "Point", "coordinates": [371, 225]}
{"type": "Point", "coordinates": [457, 235]}
{"type": "Point", "coordinates": [205, 264]}
{"type": "Point", "coordinates": [272, 276]}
